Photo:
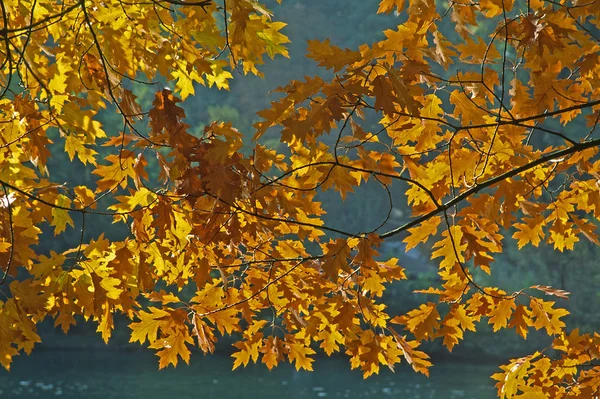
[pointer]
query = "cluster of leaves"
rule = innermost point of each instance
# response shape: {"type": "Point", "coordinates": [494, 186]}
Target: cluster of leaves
{"type": "Point", "coordinates": [492, 134]}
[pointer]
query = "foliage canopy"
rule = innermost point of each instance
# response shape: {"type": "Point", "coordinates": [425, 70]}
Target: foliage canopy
{"type": "Point", "coordinates": [490, 132]}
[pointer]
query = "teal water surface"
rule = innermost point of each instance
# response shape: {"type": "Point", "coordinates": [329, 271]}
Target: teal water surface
{"type": "Point", "coordinates": [107, 375]}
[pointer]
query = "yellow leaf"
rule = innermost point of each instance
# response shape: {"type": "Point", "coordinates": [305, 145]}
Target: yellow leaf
{"type": "Point", "coordinates": [274, 40]}
{"type": "Point", "coordinates": [147, 327]}
{"type": "Point", "coordinates": [5, 246]}
{"type": "Point", "coordinates": [219, 77]}
{"type": "Point", "coordinates": [513, 378]}
{"type": "Point", "coordinates": [331, 339]}
{"type": "Point", "coordinates": [74, 146]}
{"type": "Point", "coordinates": [106, 324]}
{"type": "Point", "coordinates": [387, 6]}
{"type": "Point", "coordinates": [422, 322]}
{"type": "Point", "coordinates": [529, 232]}
{"type": "Point", "coordinates": [7, 335]}
{"type": "Point", "coordinates": [172, 347]}
{"type": "Point", "coordinates": [298, 353]}
{"type": "Point", "coordinates": [421, 234]}
{"type": "Point", "coordinates": [501, 312]}
{"type": "Point", "coordinates": [116, 173]}
{"type": "Point", "coordinates": [85, 197]}
{"type": "Point", "coordinates": [61, 218]}
{"type": "Point", "coordinates": [449, 248]}
{"type": "Point", "coordinates": [249, 350]}
{"type": "Point", "coordinates": [545, 316]}
{"type": "Point", "coordinates": [110, 284]}
{"type": "Point", "coordinates": [464, 320]}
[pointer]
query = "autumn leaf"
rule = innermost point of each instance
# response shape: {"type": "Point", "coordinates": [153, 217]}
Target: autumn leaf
{"type": "Point", "coordinates": [336, 259]}
{"type": "Point", "coordinates": [384, 95]}
{"type": "Point", "coordinates": [330, 56]}
{"type": "Point", "coordinates": [75, 146]}
{"type": "Point", "coordinates": [172, 347]}
{"type": "Point", "coordinates": [60, 216]}
{"type": "Point", "coordinates": [450, 248]}
{"type": "Point", "coordinates": [422, 322]}
{"type": "Point", "coordinates": [120, 168]}
{"type": "Point", "coordinates": [148, 326]}
{"type": "Point", "coordinates": [545, 316]}
{"type": "Point", "coordinates": [273, 352]}
{"type": "Point", "coordinates": [166, 114]}
{"type": "Point", "coordinates": [331, 339]}
{"type": "Point", "coordinates": [6, 338]}
{"type": "Point", "coordinates": [521, 320]}
{"type": "Point", "coordinates": [115, 119]}
{"type": "Point", "coordinates": [552, 291]}
{"type": "Point", "coordinates": [299, 354]}
{"type": "Point", "coordinates": [343, 180]}
{"type": "Point", "coordinates": [422, 233]}
{"type": "Point", "coordinates": [387, 6]}
{"type": "Point", "coordinates": [249, 350]}
{"type": "Point", "coordinates": [501, 312]}
{"type": "Point", "coordinates": [530, 232]}
{"type": "Point", "coordinates": [346, 318]}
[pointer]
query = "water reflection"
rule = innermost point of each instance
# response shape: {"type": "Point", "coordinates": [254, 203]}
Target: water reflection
{"type": "Point", "coordinates": [106, 375]}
